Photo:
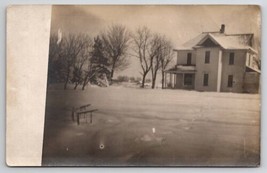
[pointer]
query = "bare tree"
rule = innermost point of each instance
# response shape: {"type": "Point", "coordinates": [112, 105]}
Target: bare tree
{"type": "Point", "coordinates": [89, 74]}
{"type": "Point", "coordinates": [166, 57]}
{"type": "Point", "coordinates": [142, 42]}
{"type": "Point", "coordinates": [83, 58]}
{"type": "Point", "coordinates": [155, 56]}
{"type": "Point", "coordinates": [73, 46]}
{"type": "Point", "coordinates": [55, 63]}
{"type": "Point", "coordinates": [116, 41]}
{"type": "Point", "coordinates": [161, 55]}
{"type": "Point", "coordinates": [53, 56]}
{"type": "Point", "coordinates": [53, 47]}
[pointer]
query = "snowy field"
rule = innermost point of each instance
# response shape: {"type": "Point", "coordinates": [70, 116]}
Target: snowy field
{"type": "Point", "coordinates": [152, 127]}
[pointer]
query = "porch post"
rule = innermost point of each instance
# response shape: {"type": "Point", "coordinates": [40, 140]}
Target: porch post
{"type": "Point", "coordinates": [170, 80]}
{"type": "Point", "coordinates": [165, 80]}
{"type": "Point", "coordinates": [219, 77]}
{"type": "Point", "coordinates": [174, 77]}
{"type": "Point", "coordinates": [183, 80]}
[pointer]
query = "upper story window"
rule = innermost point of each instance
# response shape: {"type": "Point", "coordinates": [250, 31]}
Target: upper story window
{"type": "Point", "coordinates": [231, 58]}
{"type": "Point", "coordinates": [207, 57]}
{"type": "Point", "coordinates": [189, 59]}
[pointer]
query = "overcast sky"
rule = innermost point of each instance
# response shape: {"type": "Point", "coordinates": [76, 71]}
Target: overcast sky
{"type": "Point", "coordinates": [178, 23]}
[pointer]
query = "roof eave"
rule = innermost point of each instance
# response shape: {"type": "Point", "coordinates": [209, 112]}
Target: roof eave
{"type": "Point", "coordinates": [247, 49]}
{"type": "Point", "coordinates": [181, 49]}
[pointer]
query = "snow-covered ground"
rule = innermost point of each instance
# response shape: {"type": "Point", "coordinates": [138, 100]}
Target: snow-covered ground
{"type": "Point", "coordinates": [152, 127]}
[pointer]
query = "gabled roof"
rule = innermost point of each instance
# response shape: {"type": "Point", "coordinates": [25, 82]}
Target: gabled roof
{"type": "Point", "coordinates": [226, 41]}
{"type": "Point", "coordinates": [191, 43]}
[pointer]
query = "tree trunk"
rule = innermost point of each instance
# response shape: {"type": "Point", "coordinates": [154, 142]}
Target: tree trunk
{"type": "Point", "coordinates": [153, 81]}
{"type": "Point", "coordinates": [163, 80]}
{"type": "Point", "coordinates": [75, 87]}
{"type": "Point", "coordinates": [66, 82]}
{"type": "Point", "coordinates": [144, 80]}
{"type": "Point", "coordinates": [153, 84]}
{"type": "Point", "coordinates": [112, 72]}
{"type": "Point", "coordinates": [67, 79]}
{"type": "Point", "coordinates": [84, 82]}
{"type": "Point", "coordinates": [154, 77]}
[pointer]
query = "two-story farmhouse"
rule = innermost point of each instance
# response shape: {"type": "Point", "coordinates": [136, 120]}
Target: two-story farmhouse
{"type": "Point", "coordinates": [216, 61]}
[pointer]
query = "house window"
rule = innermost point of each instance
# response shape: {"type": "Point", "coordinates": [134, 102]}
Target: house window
{"type": "Point", "coordinates": [189, 58]}
{"type": "Point", "coordinates": [207, 57]}
{"type": "Point", "coordinates": [206, 80]}
{"type": "Point", "coordinates": [188, 79]}
{"type": "Point", "coordinates": [231, 58]}
{"type": "Point", "coordinates": [230, 81]}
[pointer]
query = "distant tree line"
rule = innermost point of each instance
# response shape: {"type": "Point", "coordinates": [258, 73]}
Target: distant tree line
{"type": "Point", "coordinates": [79, 59]}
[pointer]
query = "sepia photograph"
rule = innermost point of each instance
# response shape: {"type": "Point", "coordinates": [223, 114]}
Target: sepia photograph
{"type": "Point", "coordinates": [153, 85]}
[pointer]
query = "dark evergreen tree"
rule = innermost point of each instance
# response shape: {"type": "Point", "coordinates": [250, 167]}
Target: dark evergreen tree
{"type": "Point", "coordinates": [99, 64]}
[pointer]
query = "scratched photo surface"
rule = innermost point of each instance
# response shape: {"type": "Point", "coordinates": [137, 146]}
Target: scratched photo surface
{"type": "Point", "coordinates": [153, 86]}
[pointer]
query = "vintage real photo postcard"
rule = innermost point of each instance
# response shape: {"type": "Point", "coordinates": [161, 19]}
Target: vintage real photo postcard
{"type": "Point", "coordinates": [136, 85]}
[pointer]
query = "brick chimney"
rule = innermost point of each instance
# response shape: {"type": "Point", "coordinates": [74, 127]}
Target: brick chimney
{"type": "Point", "coordinates": [222, 28]}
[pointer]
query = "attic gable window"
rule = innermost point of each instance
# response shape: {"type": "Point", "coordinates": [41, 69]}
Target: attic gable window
{"type": "Point", "coordinates": [232, 58]}
{"type": "Point", "coordinates": [209, 43]}
{"type": "Point", "coordinates": [207, 57]}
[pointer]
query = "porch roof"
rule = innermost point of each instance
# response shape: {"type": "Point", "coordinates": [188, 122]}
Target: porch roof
{"type": "Point", "coordinates": [250, 69]}
{"type": "Point", "coordinates": [181, 69]}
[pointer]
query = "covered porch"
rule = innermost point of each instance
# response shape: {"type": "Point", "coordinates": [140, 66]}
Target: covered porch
{"type": "Point", "coordinates": [180, 77]}
{"type": "Point", "coordinates": [251, 80]}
